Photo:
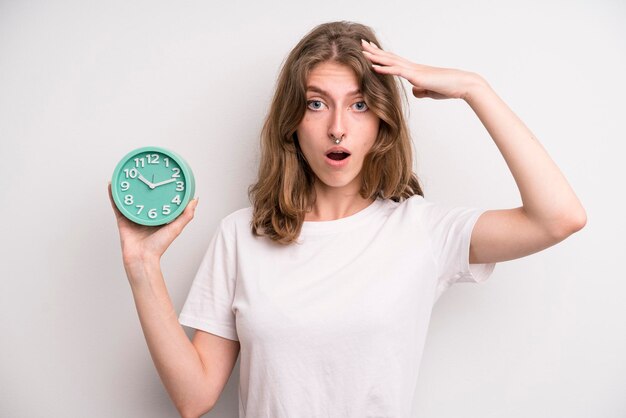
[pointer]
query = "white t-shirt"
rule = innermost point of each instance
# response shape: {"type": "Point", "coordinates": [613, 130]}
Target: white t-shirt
{"type": "Point", "coordinates": [333, 326]}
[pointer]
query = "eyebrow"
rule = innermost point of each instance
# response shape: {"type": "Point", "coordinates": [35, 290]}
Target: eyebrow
{"type": "Point", "coordinates": [325, 93]}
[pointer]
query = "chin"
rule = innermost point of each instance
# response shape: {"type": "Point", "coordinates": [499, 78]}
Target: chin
{"type": "Point", "coordinates": [339, 183]}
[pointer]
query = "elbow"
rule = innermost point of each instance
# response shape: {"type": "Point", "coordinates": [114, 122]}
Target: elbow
{"type": "Point", "coordinates": [582, 223]}
{"type": "Point", "coordinates": [193, 411]}
{"type": "Point", "coordinates": [191, 414]}
{"type": "Point", "coordinates": [573, 223]}
{"type": "Point", "coordinates": [578, 221]}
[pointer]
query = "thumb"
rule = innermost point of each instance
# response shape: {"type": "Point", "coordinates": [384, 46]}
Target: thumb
{"type": "Point", "coordinates": [421, 93]}
{"type": "Point", "coordinates": [181, 222]}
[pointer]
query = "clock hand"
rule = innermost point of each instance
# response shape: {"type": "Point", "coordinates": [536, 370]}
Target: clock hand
{"type": "Point", "coordinates": [143, 179]}
{"type": "Point", "coordinates": [164, 182]}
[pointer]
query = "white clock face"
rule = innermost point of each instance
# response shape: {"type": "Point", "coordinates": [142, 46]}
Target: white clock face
{"type": "Point", "coordinates": [151, 187]}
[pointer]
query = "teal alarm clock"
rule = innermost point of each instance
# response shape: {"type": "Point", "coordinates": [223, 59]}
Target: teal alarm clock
{"type": "Point", "coordinates": [152, 186]}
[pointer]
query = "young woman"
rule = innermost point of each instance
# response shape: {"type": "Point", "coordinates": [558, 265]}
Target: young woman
{"type": "Point", "coordinates": [327, 282]}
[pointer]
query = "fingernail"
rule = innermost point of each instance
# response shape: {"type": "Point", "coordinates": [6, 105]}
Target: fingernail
{"type": "Point", "coordinates": [363, 41]}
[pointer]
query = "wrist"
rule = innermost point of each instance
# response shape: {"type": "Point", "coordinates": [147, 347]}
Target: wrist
{"type": "Point", "coordinates": [142, 269]}
{"type": "Point", "coordinates": [475, 85]}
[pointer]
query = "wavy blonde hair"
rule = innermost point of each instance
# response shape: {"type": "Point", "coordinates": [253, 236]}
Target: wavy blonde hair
{"type": "Point", "coordinates": [284, 189]}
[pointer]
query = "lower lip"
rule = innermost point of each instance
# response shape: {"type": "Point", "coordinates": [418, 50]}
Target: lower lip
{"type": "Point", "coordinates": [337, 163]}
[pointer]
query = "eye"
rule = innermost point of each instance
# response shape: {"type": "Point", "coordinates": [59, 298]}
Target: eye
{"type": "Point", "coordinates": [314, 104]}
{"type": "Point", "coordinates": [360, 106]}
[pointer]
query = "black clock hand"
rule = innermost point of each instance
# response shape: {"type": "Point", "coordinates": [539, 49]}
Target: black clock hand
{"type": "Point", "coordinates": [144, 180]}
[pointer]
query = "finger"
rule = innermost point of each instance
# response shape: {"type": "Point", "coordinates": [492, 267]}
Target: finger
{"type": "Point", "coordinates": [366, 44]}
{"type": "Point", "coordinates": [387, 69]}
{"type": "Point", "coordinates": [370, 45]}
{"type": "Point", "coordinates": [163, 237]}
{"type": "Point", "coordinates": [380, 59]}
{"type": "Point", "coordinates": [375, 51]}
{"type": "Point", "coordinates": [410, 73]}
{"type": "Point", "coordinates": [381, 55]}
{"type": "Point", "coordinates": [393, 70]}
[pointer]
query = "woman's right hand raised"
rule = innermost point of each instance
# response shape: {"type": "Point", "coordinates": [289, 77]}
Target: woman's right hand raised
{"type": "Point", "coordinates": [142, 245]}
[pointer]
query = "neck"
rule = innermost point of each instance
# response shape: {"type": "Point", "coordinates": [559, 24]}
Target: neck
{"type": "Point", "coordinates": [335, 203]}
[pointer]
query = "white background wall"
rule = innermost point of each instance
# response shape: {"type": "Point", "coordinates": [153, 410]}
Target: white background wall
{"type": "Point", "coordinates": [84, 82]}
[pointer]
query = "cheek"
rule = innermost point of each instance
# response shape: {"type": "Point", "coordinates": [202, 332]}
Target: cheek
{"type": "Point", "coordinates": [305, 139]}
{"type": "Point", "coordinates": [369, 132]}
{"type": "Point", "coordinates": [309, 130]}
{"type": "Point", "coordinates": [305, 128]}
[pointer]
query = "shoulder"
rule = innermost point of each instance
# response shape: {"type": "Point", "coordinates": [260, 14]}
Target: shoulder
{"type": "Point", "coordinates": [426, 213]}
{"type": "Point", "coordinates": [407, 207]}
{"type": "Point", "coordinates": [237, 220]}
{"type": "Point", "coordinates": [238, 216]}
{"type": "Point", "coordinates": [428, 208]}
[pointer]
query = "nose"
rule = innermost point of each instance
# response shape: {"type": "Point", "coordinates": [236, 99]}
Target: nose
{"type": "Point", "coordinates": [337, 125]}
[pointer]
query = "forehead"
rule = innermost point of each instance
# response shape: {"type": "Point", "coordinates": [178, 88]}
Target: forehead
{"type": "Point", "coordinates": [332, 77]}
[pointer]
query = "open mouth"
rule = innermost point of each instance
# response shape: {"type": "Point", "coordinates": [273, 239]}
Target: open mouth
{"type": "Point", "coordinates": [338, 155]}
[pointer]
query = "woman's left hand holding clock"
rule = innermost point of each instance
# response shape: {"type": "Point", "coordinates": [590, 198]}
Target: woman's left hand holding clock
{"type": "Point", "coordinates": [143, 245]}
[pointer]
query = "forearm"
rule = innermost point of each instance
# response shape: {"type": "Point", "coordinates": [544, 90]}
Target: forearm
{"type": "Point", "coordinates": [546, 195]}
{"type": "Point", "coordinates": [173, 354]}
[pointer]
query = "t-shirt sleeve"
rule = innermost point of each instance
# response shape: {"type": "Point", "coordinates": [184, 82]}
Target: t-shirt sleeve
{"type": "Point", "coordinates": [209, 304]}
{"type": "Point", "coordinates": [450, 229]}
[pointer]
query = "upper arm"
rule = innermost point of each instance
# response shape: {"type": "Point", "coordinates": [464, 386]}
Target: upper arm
{"type": "Point", "coordinates": [218, 355]}
{"type": "Point", "coordinates": [507, 234]}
